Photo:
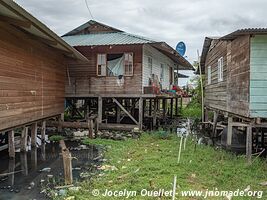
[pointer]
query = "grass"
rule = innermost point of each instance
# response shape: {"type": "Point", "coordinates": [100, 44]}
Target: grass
{"type": "Point", "coordinates": [192, 110]}
{"type": "Point", "coordinates": [151, 163]}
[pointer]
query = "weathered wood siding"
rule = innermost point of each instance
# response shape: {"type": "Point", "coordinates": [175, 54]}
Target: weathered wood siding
{"type": "Point", "coordinates": [158, 58]}
{"type": "Point", "coordinates": [238, 76]}
{"type": "Point", "coordinates": [84, 81]}
{"type": "Point", "coordinates": [258, 76]}
{"type": "Point", "coordinates": [232, 94]}
{"type": "Point", "coordinates": [32, 79]}
{"type": "Point", "coordinates": [215, 93]}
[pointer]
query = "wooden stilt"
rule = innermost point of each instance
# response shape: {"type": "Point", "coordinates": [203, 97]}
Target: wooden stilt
{"type": "Point", "coordinates": [43, 154]}
{"type": "Point", "coordinates": [171, 107]}
{"type": "Point", "coordinates": [144, 108]}
{"type": "Point", "coordinates": [150, 107]}
{"type": "Point", "coordinates": [34, 158]}
{"type": "Point", "coordinates": [181, 104]}
{"type": "Point", "coordinates": [124, 110]}
{"type": "Point", "coordinates": [60, 120]}
{"type": "Point", "coordinates": [90, 128]}
{"type": "Point", "coordinates": [34, 134]}
{"type": "Point", "coordinates": [43, 131]}
{"type": "Point", "coordinates": [249, 144]}
{"type": "Point", "coordinates": [118, 116]}
{"type": "Point", "coordinates": [176, 106]}
{"type": "Point", "coordinates": [11, 144]}
{"type": "Point", "coordinates": [140, 113]}
{"type": "Point", "coordinates": [215, 120]}
{"type": "Point", "coordinates": [164, 107]}
{"type": "Point", "coordinates": [67, 164]}
{"type": "Point", "coordinates": [24, 139]}
{"type": "Point", "coordinates": [11, 169]}
{"type": "Point", "coordinates": [100, 107]}
{"type": "Point", "coordinates": [229, 132]}
{"type": "Point", "coordinates": [155, 114]}
{"type": "Point", "coordinates": [24, 163]}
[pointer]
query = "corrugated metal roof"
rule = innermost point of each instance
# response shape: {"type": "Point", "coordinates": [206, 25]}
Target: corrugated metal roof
{"type": "Point", "coordinates": [246, 31]}
{"type": "Point", "coordinates": [117, 38]}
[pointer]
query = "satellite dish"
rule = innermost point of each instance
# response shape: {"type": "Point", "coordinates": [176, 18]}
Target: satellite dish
{"type": "Point", "coordinates": [181, 48]}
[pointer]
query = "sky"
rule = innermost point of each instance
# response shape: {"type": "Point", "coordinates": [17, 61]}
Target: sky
{"type": "Point", "coordinates": [170, 21]}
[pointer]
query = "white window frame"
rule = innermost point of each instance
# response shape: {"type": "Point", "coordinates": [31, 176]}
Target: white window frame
{"type": "Point", "coordinates": [150, 64]}
{"type": "Point", "coordinates": [128, 64]}
{"type": "Point", "coordinates": [220, 69]}
{"type": "Point", "coordinates": [101, 63]}
{"type": "Point", "coordinates": [209, 75]}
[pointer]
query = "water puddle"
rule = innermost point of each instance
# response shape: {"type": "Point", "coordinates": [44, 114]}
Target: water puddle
{"type": "Point", "coordinates": [31, 174]}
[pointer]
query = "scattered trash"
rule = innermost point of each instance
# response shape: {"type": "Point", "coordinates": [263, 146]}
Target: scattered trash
{"type": "Point", "coordinates": [80, 133]}
{"type": "Point", "coordinates": [264, 183]}
{"type": "Point", "coordinates": [62, 192]}
{"type": "Point", "coordinates": [108, 167]}
{"type": "Point", "coordinates": [47, 169]}
{"type": "Point", "coordinates": [247, 188]}
{"type": "Point", "coordinates": [74, 188]}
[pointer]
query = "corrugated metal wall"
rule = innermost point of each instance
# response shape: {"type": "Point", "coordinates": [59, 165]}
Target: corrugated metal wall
{"type": "Point", "coordinates": [258, 76]}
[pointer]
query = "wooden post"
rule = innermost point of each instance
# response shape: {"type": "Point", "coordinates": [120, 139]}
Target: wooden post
{"type": "Point", "coordinates": [215, 120]}
{"type": "Point", "coordinates": [90, 128]}
{"type": "Point", "coordinates": [144, 108]}
{"type": "Point", "coordinates": [34, 158]}
{"type": "Point", "coordinates": [181, 104]}
{"type": "Point", "coordinates": [249, 144]}
{"type": "Point", "coordinates": [43, 154]}
{"type": "Point", "coordinates": [155, 114]}
{"type": "Point", "coordinates": [229, 132]}
{"type": "Point", "coordinates": [206, 115]}
{"type": "Point", "coordinates": [164, 107]}
{"type": "Point", "coordinates": [60, 120]}
{"type": "Point", "coordinates": [43, 131]}
{"type": "Point", "coordinates": [24, 139]}
{"type": "Point", "coordinates": [11, 169]}
{"type": "Point", "coordinates": [66, 163]}
{"type": "Point", "coordinates": [150, 107]}
{"type": "Point", "coordinates": [100, 107]}
{"type": "Point", "coordinates": [118, 116]}
{"type": "Point", "coordinates": [34, 134]}
{"type": "Point", "coordinates": [171, 111]}
{"type": "Point", "coordinates": [24, 163]}
{"type": "Point", "coordinates": [11, 144]}
{"type": "Point", "coordinates": [176, 106]}
{"type": "Point", "coordinates": [140, 113]}
{"type": "Point", "coordinates": [96, 126]}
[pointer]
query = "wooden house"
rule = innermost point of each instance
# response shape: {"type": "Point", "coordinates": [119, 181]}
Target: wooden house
{"type": "Point", "coordinates": [121, 65]}
{"type": "Point", "coordinates": [235, 78]}
{"type": "Point", "coordinates": [33, 62]}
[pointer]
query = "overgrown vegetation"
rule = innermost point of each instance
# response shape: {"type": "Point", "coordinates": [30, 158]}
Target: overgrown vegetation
{"type": "Point", "coordinates": [151, 163]}
{"type": "Point", "coordinates": [56, 138]}
{"type": "Point", "coordinates": [193, 109]}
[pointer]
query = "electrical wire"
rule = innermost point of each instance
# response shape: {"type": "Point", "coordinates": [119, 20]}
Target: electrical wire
{"type": "Point", "coordinates": [90, 13]}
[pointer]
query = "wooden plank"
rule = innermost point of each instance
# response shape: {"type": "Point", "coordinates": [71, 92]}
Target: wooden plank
{"type": "Point", "coordinates": [124, 110]}
{"type": "Point", "coordinates": [16, 22]}
{"type": "Point", "coordinates": [11, 144]}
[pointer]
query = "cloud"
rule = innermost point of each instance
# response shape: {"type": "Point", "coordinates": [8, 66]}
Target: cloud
{"type": "Point", "coordinates": [170, 20]}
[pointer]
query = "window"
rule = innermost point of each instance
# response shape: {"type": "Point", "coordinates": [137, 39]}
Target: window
{"type": "Point", "coordinates": [128, 64]}
{"type": "Point", "coordinates": [161, 72]}
{"type": "Point", "coordinates": [150, 65]}
{"type": "Point", "coordinates": [209, 75]}
{"type": "Point", "coordinates": [220, 69]}
{"type": "Point", "coordinates": [115, 64]}
{"type": "Point", "coordinates": [101, 64]}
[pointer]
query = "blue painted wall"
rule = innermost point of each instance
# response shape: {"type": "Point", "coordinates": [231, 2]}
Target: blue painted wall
{"type": "Point", "coordinates": [258, 76]}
